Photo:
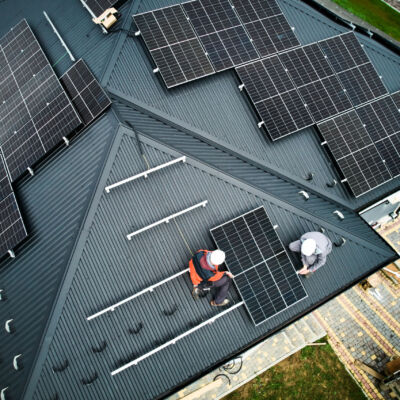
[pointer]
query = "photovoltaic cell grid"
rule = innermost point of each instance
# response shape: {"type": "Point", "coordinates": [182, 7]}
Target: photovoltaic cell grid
{"type": "Point", "coordinates": [354, 70]}
{"type": "Point", "coordinates": [86, 94]}
{"type": "Point", "coordinates": [381, 119]}
{"type": "Point", "coordinates": [35, 112]}
{"type": "Point", "coordinates": [12, 228]}
{"type": "Point", "coordinates": [323, 84]}
{"type": "Point", "coordinates": [264, 274]}
{"type": "Point", "coordinates": [99, 6]}
{"type": "Point", "coordinates": [355, 152]}
{"type": "Point", "coordinates": [173, 45]}
{"type": "Point", "coordinates": [227, 33]}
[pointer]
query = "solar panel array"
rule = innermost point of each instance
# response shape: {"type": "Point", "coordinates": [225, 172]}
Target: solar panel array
{"type": "Point", "coordinates": [306, 85]}
{"type": "Point", "coordinates": [35, 112]}
{"type": "Point", "coordinates": [99, 6]}
{"type": "Point", "coordinates": [12, 228]}
{"type": "Point", "coordinates": [84, 90]}
{"type": "Point", "coordinates": [201, 37]}
{"type": "Point", "coordinates": [264, 274]}
{"type": "Point", "coordinates": [366, 144]}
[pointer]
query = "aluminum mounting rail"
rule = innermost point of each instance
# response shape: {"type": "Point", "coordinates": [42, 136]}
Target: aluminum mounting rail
{"type": "Point", "coordinates": [167, 219]}
{"type": "Point", "coordinates": [145, 173]}
{"type": "Point", "coordinates": [173, 341]}
{"type": "Point", "coordinates": [149, 289]}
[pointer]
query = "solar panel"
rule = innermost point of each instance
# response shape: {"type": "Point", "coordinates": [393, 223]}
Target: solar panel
{"type": "Point", "coordinates": [337, 54]}
{"type": "Point", "coordinates": [396, 99]}
{"type": "Point", "coordinates": [381, 119]}
{"type": "Point", "coordinates": [264, 274]}
{"type": "Point", "coordinates": [267, 27]}
{"type": "Point", "coordinates": [274, 96]}
{"type": "Point", "coordinates": [12, 228]}
{"type": "Point", "coordinates": [99, 6]}
{"type": "Point", "coordinates": [354, 152]}
{"type": "Point", "coordinates": [362, 84]}
{"type": "Point", "coordinates": [35, 112]}
{"type": "Point", "coordinates": [220, 32]}
{"type": "Point", "coordinates": [172, 43]}
{"type": "Point", "coordinates": [84, 90]}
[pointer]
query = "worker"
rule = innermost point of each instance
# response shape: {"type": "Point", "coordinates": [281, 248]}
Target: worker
{"type": "Point", "coordinates": [204, 272]}
{"type": "Point", "coordinates": [314, 247]}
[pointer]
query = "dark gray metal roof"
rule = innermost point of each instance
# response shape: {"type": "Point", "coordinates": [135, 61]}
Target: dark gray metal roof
{"type": "Point", "coordinates": [77, 259]}
{"type": "Point", "coordinates": [106, 268]}
{"type": "Point", "coordinates": [53, 203]}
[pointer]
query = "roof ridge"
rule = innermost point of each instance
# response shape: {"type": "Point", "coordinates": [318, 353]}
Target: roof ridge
{"type": "Point", "coordinates": [212, 170]}
{"type": "Point", "coordinates": [207, 138]}
{"type": "Point", "coordinates": [34, 373]}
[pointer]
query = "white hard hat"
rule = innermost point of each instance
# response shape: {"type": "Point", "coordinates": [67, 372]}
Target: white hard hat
{"type": "Point", "coordinates": [217, 257]}
{"type": "Point", "coordinates": [308, 247]}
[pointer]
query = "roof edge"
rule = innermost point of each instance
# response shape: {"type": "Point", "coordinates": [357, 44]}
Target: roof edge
{"type": "Point", "coordinates": [51, 324]}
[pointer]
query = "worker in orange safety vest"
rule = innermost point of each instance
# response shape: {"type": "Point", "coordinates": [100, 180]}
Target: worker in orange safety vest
{"type": "Point", "coordinates": [204, 271]}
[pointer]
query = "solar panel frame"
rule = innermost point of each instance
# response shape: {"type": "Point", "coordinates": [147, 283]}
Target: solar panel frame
{"type": "Point", "coordinates": [85, 92]}
{"type": "Point", "coordinates": [269, 284]}
{"type": "Point", "coordinates": [172, 42]}
{"type": "Point", "coordinates": [354, 152]}
{"type": "Point", "coordinates": [35, 87]}
{"type": "Point", "coordinates": [12, 227]}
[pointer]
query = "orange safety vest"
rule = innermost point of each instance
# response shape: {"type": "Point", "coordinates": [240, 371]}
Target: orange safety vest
{"type": "Point", "coordinates": [196, 278]}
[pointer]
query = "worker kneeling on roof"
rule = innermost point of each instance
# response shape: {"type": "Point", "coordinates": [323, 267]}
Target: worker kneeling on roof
{"type": "Point", "coordinates": [314, 247]}
{"type": "Point", "coordinates": [204, 272]}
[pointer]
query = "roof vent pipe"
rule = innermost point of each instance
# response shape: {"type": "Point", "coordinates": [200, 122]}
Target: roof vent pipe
{"type": "Point", "coordinates": [9, 326]}
{"type": "Point", "coordinates": [310, 176]}
{"type": "Point", "coordinates": [332, 184]}
{"type": "Point", "coordinates": [304, 194]}
{"type": "Point", "coordinates": [340, 243]}
{"type": "Point", "coordinates": [339, 214]}
{"type": "Point", "coordinates": [17, 362]}
{"type": "Point", "coordinates": [3, 393]}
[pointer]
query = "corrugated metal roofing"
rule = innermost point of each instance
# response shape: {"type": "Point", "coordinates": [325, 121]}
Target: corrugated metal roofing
{"type": "Point", "coordinates": [109, 268]}
{"type": "Point", "coordinates": [215, 106]}
{"type": "Point", "coordinates": [212, 122]}
{"type": "Point", "coordinates": [54, 203]}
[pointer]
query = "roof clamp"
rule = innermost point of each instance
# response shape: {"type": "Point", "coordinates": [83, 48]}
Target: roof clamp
{"type": "Point", "coordinates": [340, 243]}
{"type": "Point", "coordinates": [343, 180]}
{"type": "Point", "coordinates": [30, 170]}
{"type": "Point", "coordinates": [11, 253]}
{"type": "Point", "coordinates": [3, 393]}
{"type": "Point", "coordinates": [323, 143]}
{"type": "Point", "coordinates": [155, 70]}
{"type": "Point", "coordinates": [304, 194]}
{"type": "Point", "coordinates": [370, 34]}
{"type": "Point", "coordinates": [260, 124]}
{"type": "Point", "coordinates": [9, 326]}
{"type": "Point", "coordinates": [352, 26]}
{"type": "Point", "coordinates": [310, 176]}
{"type": "Point", "coordinates": [66, 141]}
{"type": "Point", "coordinates": [17, 363]}
{"type": "Point", "coordinates": [322, 230]}
{"type": "Point", "coordinates": [138, 33]}
{"type": "Point", "coordinates": [332, 184]}
{"type": "Point", "coordinates": [339, 214]}
{"type": "Point", "coordinates": [276, 227]}
{"type": "Point", "coordinates": [241, 87]}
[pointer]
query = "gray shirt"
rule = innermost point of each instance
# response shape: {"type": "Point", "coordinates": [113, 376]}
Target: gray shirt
{"type": "Point", "coordinates": [318, 259]}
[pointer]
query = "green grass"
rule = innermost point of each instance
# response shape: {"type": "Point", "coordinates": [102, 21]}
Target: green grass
{"type": "Point", "coordinates": [313, 373]}
{"type": "Point", "coordinates": [376, 13]}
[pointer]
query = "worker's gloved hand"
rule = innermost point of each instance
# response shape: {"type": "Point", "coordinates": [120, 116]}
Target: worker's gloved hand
{"type": "Point", "coordinates": [196, 292]}
{"type": "Point", "coordinates": [229, 274]}
{"type": "Point", "coordinates": [303, 271]}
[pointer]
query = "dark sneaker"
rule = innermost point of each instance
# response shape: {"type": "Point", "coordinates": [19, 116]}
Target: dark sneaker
{"type": "Point", "coordinates": [224, 303]}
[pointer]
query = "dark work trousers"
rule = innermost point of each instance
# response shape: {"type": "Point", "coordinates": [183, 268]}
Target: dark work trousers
{"type": "Point", "coordinates": [222, 287]}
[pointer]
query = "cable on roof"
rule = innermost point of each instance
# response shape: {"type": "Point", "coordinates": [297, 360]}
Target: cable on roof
{"type": "Point", "coordinates": [136, 330]}
{"type": "Point", "coordinates": [61, 367]}
{"type": "Point", "coordinates": [183, 238]}
{"type": "Point", "coordinates": [100, 348]}
{"type": "Point", "coordinates": [90, 380]}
